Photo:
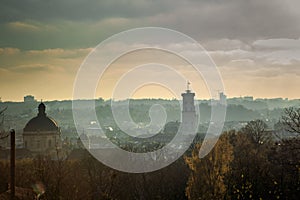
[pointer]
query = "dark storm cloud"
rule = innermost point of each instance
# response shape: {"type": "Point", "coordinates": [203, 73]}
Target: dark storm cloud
{"type": "Point", "coordinates": [15, 10]}
{"type": "Point", "coordinates": [39, 24]}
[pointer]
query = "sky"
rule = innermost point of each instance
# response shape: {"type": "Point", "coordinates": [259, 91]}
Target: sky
{"type": "Point", "coordinates": [255, 44]}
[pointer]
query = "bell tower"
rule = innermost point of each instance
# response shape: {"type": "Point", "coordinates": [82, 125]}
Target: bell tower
{"type": "Point", "coordinates": [188, 117]}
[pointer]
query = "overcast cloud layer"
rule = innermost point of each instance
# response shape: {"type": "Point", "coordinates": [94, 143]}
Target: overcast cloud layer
{"type": "Point", "coordinates": [254, 43]}
{"type": "Point", "coordinates": [80, 23]}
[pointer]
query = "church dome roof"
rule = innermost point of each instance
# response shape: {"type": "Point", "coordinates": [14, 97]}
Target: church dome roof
{"type": "Point", "coordinates": [41, 122]}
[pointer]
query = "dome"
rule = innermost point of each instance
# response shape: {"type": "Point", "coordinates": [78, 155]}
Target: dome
{"type": "Point", "coordinates": [41, 122]}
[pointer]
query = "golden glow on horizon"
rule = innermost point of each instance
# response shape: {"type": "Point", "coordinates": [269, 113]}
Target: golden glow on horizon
{"type": "Point", "coordinates": [46, 76]}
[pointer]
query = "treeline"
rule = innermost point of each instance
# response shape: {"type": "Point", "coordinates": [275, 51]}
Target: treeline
{"type": "Point", "coordinates": [89, 179]}
{"type": "Point", "coordinates": [241, 167]}
{"type": "Point", "coordinates": [238, 167]}
{"type": "Point", "coordinates": [252, 163]}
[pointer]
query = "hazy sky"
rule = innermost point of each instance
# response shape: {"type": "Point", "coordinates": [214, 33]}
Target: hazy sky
{"type": "Point", "coordinates": [254, 43]}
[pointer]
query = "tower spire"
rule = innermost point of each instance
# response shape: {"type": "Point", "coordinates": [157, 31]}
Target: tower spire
{"type": "Point", "coordinates": [42, 109]}
{"type": "Point", "coordinates": [188, 87]}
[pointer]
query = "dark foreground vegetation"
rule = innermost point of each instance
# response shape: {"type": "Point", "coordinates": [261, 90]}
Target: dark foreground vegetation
{"type": "Point", "coordinates": [247, 164]}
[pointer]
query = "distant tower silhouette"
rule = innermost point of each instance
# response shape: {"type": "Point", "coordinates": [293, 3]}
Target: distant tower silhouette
{"type": "Point", "coordinates": [189, 117]}
{"type": "Point", "coordinates": [222, 98]}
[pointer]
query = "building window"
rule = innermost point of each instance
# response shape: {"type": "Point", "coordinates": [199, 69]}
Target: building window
{"type": "Point", "coordinates": [26, 144]}
{"type": "Point", "coordinates": [49, 143]}
{"type": "Point", "coordinates": [38, 144]}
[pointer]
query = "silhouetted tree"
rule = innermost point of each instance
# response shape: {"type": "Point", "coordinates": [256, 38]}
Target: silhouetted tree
{"type": "Point", "coordinates": [166, 183]}
{"type": "Point", "coordinates": [249, 177]}
{"type": "Point", "coordinates": [257, 130]}
{"type": "Point", "coordinates": [291, 119]}
{"type": "Point", "coordinates": [285, 160]}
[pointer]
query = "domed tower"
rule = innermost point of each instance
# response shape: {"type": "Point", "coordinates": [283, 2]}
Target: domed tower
{"type": "Point", "coordinates": [41, 134]}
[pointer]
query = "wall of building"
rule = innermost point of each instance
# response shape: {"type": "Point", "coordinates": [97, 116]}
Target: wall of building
{"type": "Point", "coordinates": [41, 142]}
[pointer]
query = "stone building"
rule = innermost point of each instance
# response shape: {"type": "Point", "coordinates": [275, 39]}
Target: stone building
{"type": "Point", "coordinates": [41, 134]}
{"type": "Point", "coordinates": [189, 117]}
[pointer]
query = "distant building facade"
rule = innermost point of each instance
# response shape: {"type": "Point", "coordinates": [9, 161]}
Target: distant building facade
{"type": "Point", "coordinates": [29, 98]}
{"type": "Point", "coordinates": [41, 134]}
{"type": "Point", "coordinates": [222, 98]}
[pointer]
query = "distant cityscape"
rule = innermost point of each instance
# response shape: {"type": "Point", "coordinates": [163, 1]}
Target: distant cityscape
{"type": "Point", "coordinates": [240, 110]}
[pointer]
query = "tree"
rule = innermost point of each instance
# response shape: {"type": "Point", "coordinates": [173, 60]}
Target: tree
{"type": "Point", "coordinates": [291, 119]}
{"type": "Point", "coordinates": [207, 179]}
{"type": "Point", "coordinates": [250, 169]}
{"type": "Point", "coordinates": [285, 160]}
{"type": "Point", "coordinates": [165, 183]}
{"type": "Point", "coordinates": [257, 130]}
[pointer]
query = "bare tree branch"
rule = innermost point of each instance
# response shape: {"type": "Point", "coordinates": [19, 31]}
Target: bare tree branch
{"type": "Point", "coordinates": [257, 130]}
{"type": "Point", "coordinates": [291, 119]}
